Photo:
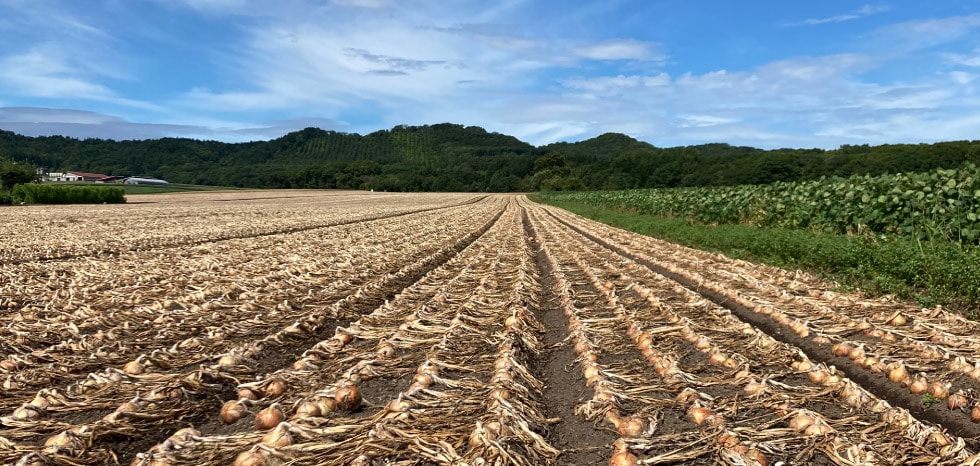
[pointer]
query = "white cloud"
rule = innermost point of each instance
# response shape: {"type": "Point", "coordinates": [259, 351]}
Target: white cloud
{"type": "Point", "coordinates": [49, 72]}
{"type": "Point", "coordinates": [701, 121]}
{"type": "Point", "coordinates": [364, 3]}
{"type": "Point", "coordinates": [962, 77]}
{"type": "Point", "coordinates": [615, 85]}
{"type": "Point", "coordinates": [972, 59]}
{"type": "Point", "coordinates": [32, 121]}
{"type": "Point", "coordinates": [621, 49]}
{"type": "Point", "coordinates": [866, 10]}
{"type": "Point", "coordinates": [926, 33]}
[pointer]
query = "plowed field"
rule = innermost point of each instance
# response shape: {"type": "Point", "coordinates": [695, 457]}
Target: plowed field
{"type": "Point", "coordinates": [353, 328]}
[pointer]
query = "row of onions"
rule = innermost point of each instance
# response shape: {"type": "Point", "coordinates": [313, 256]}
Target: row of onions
{"type": "Point", "coordinates": [109, 338]}
{"type": "Point", "coordinates": [792, 289]}
{"type": "Point", "coordinates": [185, 219]}
{"type": "Point", "coordinates": [166, 394]}
{"type": "Point", "coordinates": [265, 397]}
{"type": "Point", "coordinates": [890, 356]}
{"type": "Point", "coordinates": [802, 420]}
{"type": "Point", "coordinates": [400, 334]}
{"type": "Point", "coordinates": [898, 347]}
{"type": "Point", "coordinates": [613, 388]}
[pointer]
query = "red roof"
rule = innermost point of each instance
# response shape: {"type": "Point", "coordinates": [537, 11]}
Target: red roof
{"type": "Point", "coordinates": [87, 175]}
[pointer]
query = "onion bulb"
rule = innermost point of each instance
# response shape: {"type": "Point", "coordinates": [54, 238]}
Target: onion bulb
{"type": "Point", "coordinates": [590, 370]}
{"type": "Point", "coordinates": [131, 406]}
{"type": "Point", "coordinates": [754, 388]}
{"type": "Point", "coordinates": [275, 388]}
{"type": "Point", "coordinates": [956, 401]}
{"type": "Point", "coordinates": [717, 358]}
{"type": "Point", "coordinates": [326, 404]}
{"type": "Point", "coordinates": [269, 417]}
{"type": "Point", "coordinates": [386, 350]}
{"type": "Point", "coordinates": [631, 427]}
{"type": "Point", "coordinates": [229, 360]}
{"type": "Point", "coordinates": [279, 437]}
{"type": "Point", "coordinates": [818, 428]}
{"type": "Point", "coordinates": [841, 349]}
{"type": "Point", "coordinates": [254, 457]}
{"type": "Point", "coordinates": [698, 413]}
{"type": "Point", "coordinates": [938, 389]}
{"type": "Point", "coordinates": [307, 409]}
{"type": "Point", "coordinates": [938, 439]}
{"type": "Point", "coordinates": [753, 454]}
{"type": "Point", "coordinates": [247, 394]}
{"type": "Point", "coordinates": [899, 319]}
{"type": "Point", "coordinates": [975, 413]}
{"type": "Point", "coordinates": [817, 375]}
{"type": "Point", "coordinates": [27, 413]}
{"type": "Point", "coordinates": [134, 368]}
{"type": "Point", "coordinates": [857, 353]}
{"type": "Point", "coordinates": [959, 364]}
{"type": "Point", "coordinates": [644, 341]}
{"type": "Point", "coordinates": [801, 421]}
{"type": "Point", "coordinates": [623, 458]}
{"type": "Point", "coordinates": [898, 373]}
{"type": "Point", "coordinates": [496, 430]}
{"type": "Point", "coordinates": [304, 364]}
{"type": "Point", "coordinates": [64, 441]}
{"type": "Point", "coordinates": [232, 411]}
{"type": "Point", "coordinates": [688, 395]}
{"type": "Point", "coordinates": [348, 398]}
{"type": "Point", "coordinates": [919, 386]}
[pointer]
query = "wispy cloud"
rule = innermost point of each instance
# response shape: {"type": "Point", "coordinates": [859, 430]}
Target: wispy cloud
{"type": "Point", "coordinates": [919, 34]}
{"type": "Point", "coordinates": [46, 71]}
{"type": "Point", "coordinates": [866, 10]}
{"type": "Point", "coordinates": [364, 3]}
{"type": "Point", "coordinates": [972, 59]}
{"type": "Point", "coordinates": [621, 49]}
{"type": "Point", "coordinates": [80, 124]}
{"type": "Point", "coordinates": [393, 64]}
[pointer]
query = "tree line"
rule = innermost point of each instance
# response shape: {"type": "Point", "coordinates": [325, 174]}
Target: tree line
{"type": "Point", "coordinates": [451, 157]}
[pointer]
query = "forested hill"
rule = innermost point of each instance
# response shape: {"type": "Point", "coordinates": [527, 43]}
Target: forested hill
{"type": "Point", "coordinates": [450, 157]}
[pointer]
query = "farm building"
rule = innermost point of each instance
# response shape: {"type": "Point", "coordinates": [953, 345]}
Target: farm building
{"type": "Point", "coordinates": [141, 180]}
{"type": "Point", "coordinates": [75, 176]}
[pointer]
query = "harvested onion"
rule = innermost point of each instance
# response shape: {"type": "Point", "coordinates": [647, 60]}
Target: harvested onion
{"type": "Point", "coordinates": [269, 417]}
{"type": "Point", "coordinates": [956, 401]}
{"type": "Point", "coordinates": [918, 386]}
{"type": "Point", "coordinates": [698, 413]}
{"type": "Point", "coordinates": [623, 458]}
{"type": "Point", "coordinates": [232, 411]}
{"type": "Point", "coordinates": [254, 457]}
{"type": "Point", "coordinates": [348, 398]}
{"type": "Point", "coordinates": [279, 437]}
{"type": "Point", "coordinates": [939, 390]}
{"type": "Point", "coordinates": [898, 373]}
{"type": "Point", "coordinates": [275, 388]}
{"type": "Point", "coordinates": [630, 427]}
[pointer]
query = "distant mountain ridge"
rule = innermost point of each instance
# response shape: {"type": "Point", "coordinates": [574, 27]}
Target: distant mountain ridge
{"type": "Point", "coordinates": [452, 157]}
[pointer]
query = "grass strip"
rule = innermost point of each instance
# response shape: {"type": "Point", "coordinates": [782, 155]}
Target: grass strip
{"type": "Point", "coordinates": [930, 273]}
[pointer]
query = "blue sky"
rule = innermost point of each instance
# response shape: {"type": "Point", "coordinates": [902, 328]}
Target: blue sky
{"type": "Point", "coordinates": [763, 73]}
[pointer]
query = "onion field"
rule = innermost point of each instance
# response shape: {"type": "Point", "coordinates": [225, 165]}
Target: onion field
{"type": "Point", "coordinates": [356, 328]}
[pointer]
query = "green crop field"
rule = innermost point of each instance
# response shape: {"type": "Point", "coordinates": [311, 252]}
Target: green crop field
{"type": "Point", "coordinates": [940, 205]}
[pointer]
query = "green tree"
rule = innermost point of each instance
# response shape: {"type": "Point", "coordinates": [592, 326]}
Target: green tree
{"type": "Point", "coordinates": [13, 173]}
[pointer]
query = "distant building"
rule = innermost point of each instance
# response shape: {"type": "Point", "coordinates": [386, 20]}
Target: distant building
{"type": "Point", "coordinates": [141, 180]}
{"type": "Point", "coordinates": [74, 176]}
